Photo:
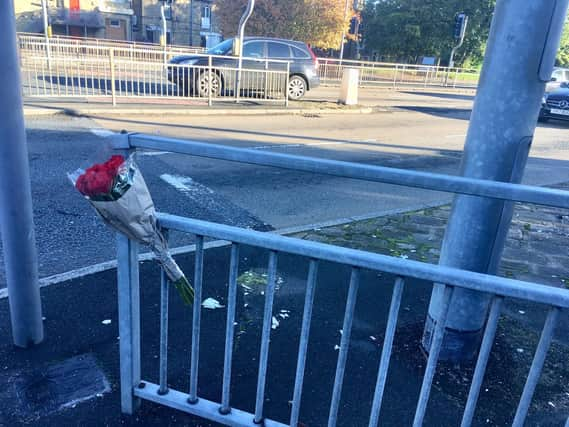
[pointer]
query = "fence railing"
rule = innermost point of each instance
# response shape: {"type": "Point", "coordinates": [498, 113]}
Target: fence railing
{"type": "Point", "coordinates": [372, 74]}
{"type": "Point", "coordinates": [134, 386]}
{"type": "Point", "coordinates": [117, 79]}
{"type": "Point", "coordinates": [382, 74]}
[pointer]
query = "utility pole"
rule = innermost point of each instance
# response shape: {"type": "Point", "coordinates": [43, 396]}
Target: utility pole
{"type": "Point", "coordinates": [524, 38]}
{"type": "Point", "coordinates": [163, 39]}
{"type": "Point", "coordinates": [16, 217]}
{"type": "Point", "coordinates": [191, 22]}
{"type": "Point", "coordinates": [241, 37]}
{"type": "Point", "coordinates": [344, 31]}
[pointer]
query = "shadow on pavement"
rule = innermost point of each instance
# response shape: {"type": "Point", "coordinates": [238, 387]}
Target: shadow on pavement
{"type": "Point", "coordinates": [443, 95]}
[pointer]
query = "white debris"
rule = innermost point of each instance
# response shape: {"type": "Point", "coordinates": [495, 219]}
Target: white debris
{"type": "Point", "coordinates": [521, 312]}
{"type": "Point", "coordinates": [212, 304]}
{"type": "Point", "coordinates": [275, 324]}
{"type": "Point", "coordinates": [551, 404]}
{"type": "Point", "coordinates": [520, 350]}
{"type": "Point", "coordinates": [371, 337]}
{"type": "Point", "coordinates": [374, 236]}
{"type": "Point", "coordinates": [235, 323]}
{"type": "Point", "coordinates": [403, 256]}
{"type": "Point", "coordinates": [246, 287]}
{"type": "Point", "coordinates": [246, 305]}
{"type": "Point", "coordinates": [341, 332]}
{"type": "Point", "coordinates": [43, 318]}
{"type": "Point", "coordinates": [106, 322]}
{"type": "Point", "coordinates": [336, 347]}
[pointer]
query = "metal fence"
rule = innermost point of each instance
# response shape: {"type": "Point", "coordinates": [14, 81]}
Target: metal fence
{"type": "Point", "coordinates": [135, 387]}
{"type": "Point", "coordinates": [111, 74]}
{"type": "Point", "coordinates": [382, 74]}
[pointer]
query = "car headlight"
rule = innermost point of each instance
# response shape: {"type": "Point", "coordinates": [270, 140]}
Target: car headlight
{"type": "Point", "coordinates": [544, 100]}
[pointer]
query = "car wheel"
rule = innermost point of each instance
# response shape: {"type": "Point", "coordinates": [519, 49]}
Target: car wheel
{"type": "Point", "coordinates": [205, 86]}
{"type": "Point", "coordinates": [296, 88]}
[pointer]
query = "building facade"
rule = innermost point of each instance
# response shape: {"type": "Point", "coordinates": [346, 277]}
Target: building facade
{"type": "Point", "coordinates": [110, 19]}
{"type": "Point", "coordinates": [189, 22]}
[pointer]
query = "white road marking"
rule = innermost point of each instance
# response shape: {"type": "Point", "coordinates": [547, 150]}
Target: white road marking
{"type": "Point", "coordinates": [186, 185]}
{"type": "Point", "coordinates": [102, 133]}
{"type": "Point", "coordinates": [151, 153]}
{"type": "Point", "coordinates": [458, 135]}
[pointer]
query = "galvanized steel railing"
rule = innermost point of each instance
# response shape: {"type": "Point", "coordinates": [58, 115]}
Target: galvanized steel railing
{"type": "Point", "coordinates": [104, 75]}
{"type": "Point", "coordinates": [133, 387]}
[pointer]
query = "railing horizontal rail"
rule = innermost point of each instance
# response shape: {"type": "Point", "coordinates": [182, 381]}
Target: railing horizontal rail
{"type": "Point", "coordinates": [426, 180]}
{"type": "Point", "coordinates": [356, 258]}
{"type": "Point", "coordinates": [204, 408]}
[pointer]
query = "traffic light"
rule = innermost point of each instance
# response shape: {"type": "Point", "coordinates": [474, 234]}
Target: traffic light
{"type": "Point", "coordinates": [459, 26]}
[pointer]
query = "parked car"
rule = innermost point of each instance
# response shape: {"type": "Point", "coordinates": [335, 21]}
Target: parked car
{"type": "Point", "coordinates": [555, 104]}
{"type": "Point", "coordinates": [193, 79]}
{"type": "Point", "coordinates": [558, 77]}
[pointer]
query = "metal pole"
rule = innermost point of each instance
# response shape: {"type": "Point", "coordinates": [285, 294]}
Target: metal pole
{"type": "Point", "coordinates": [164, 33]}
{"type": "Point", "coordinates": [344, 31]}
{"type": "Point", "coordinates": [523, 41]}
{"type": "Point", "coordinates": [242, 22]}
{"type": "Point", "coordinates": [46, 31]}
{"type": "Point", "coordinates": [113, 85]}
{"type": "Point", "coordinates": [191, 22]}
{"type": "Point", "coordinates": [16, 218]}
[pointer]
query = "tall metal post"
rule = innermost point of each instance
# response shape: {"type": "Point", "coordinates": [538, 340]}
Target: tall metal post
{"type": "Point", "coordinates": [344, 31]}
{"type": "Point", "coordinates": [523, 41]}
{"type": "Point", "coordinates": [242, 22]}
{"type": "Point", "coordinates": [47, 32]}
{"type": "Point", "coordinates": [16, 219]}
{"type": "Point", "coordinates": [164, 40]}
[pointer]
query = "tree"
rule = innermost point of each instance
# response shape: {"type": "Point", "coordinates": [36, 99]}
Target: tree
{"type": "Point", "coordinates": [407, 29]}
{"type": "Point", "coordinates": [317, 22]}
{"type": "Point", "coordinates": [563, 54]}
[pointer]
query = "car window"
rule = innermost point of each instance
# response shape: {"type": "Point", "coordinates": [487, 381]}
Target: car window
{"type": "Point", "coordinates": [278, 50]}
{"type": "Point", "coordinates": [558, 75]}
{"type": "Point", "coordinates": [254, 49]}
{"type": "Point", "coordinates": [223, 48]}
{"type": "Point", "coordinates": [299, 53]}
{"type": "Point", "coordinates": [566, 79]}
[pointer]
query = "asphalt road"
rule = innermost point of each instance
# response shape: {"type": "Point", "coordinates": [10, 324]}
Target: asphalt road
{"type": "Point", "coordinates": [427, 138]}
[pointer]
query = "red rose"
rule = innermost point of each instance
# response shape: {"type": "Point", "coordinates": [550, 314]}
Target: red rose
{"type": "Point", "coordinates": [99, 178]}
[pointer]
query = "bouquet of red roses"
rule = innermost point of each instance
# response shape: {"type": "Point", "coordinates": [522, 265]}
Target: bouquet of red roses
{"type": "Point", "coordinates": [117, 191]}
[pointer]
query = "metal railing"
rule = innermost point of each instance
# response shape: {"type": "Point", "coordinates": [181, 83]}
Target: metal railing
{"type": "Point", "coordinates": [382, 74]}
{"type": "Point", "coordinates": [372, 74]}
{"type": "Point", "coordinates": [106, 75]}
{"type": "Point", "coordinates": [134, 387]}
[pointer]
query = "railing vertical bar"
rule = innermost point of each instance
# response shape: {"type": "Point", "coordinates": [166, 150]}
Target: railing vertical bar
{"type": "Point", "coordinates": [164, 288]}
{"type": "Point", "coordinates": [267, 323]}
{"type": "Point", "coordinates": [536, 366]}
{"type": "Point", "coordinates": [386, 351]}
{"type": "Point", "coordinates": [230, 329]}
{"type": "Point", "coordinates": [433, 358]}
{"type": "Point", "coordinates": [129, 321]}
{"type": "Point", "coordinates": [482, 361]}
{"type": "Point", "coordinates": [196, 320]}
{"type": "Point", "coordinates": [344, 344]}
{"type": "Point", "coordinates": [304, 335]}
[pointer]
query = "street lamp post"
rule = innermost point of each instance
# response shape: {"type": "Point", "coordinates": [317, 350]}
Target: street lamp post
{"type": "Point", "coordinates": [344, 30]}
{"type": "Point", "coordinates": [46, 32]}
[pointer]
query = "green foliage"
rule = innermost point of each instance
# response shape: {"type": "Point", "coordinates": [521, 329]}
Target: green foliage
{"type": "Point", "coordinates": [407, 29]}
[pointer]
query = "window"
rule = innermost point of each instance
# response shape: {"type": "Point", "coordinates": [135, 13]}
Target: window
{"type": "Point", "coordinates": [115, 23]}
{"type": "Point", "coordinates": [278, 50]}
{"type": "Point", "coordinates": [299, 53]}
{"type": "Point", "coordinates": [254, 49]}
{"type": "Point", "coordinates": [206, 12]}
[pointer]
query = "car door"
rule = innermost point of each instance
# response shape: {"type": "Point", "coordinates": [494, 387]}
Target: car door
{"type": "Point", "coordinates": [253, 77]}
{"type": "Point", "coordinates": [281, 52]}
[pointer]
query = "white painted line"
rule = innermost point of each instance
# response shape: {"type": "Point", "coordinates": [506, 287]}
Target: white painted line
{"type": "Point", "coordinates": [152, 153]}
{"type": "Point", "coordinates": [458, 135]}
{"type": "Point", "coordinates": [186, 185]}
{"type": "Point", "coordinates": [102, 133]}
